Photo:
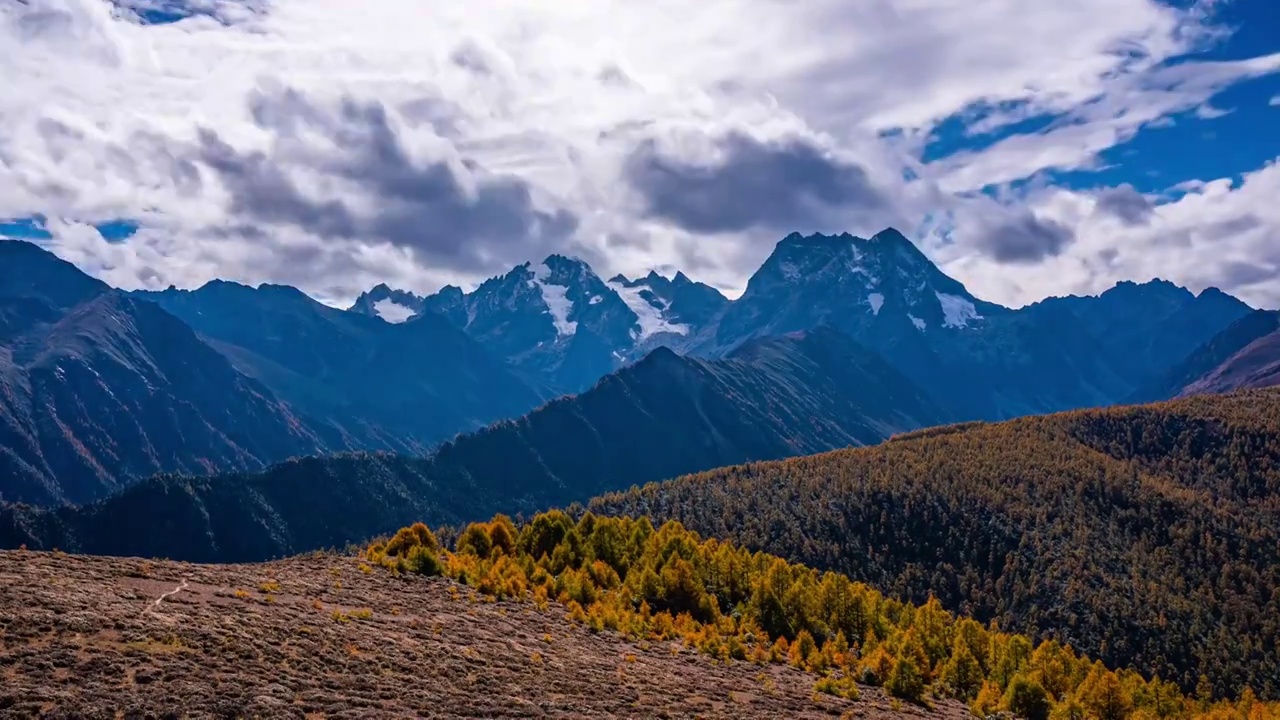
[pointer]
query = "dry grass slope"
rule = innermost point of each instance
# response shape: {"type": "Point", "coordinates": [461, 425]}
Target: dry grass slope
{"type": "Point", "coordinates": [329, 637]}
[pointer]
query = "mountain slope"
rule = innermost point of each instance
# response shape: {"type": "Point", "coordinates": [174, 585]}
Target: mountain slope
{"type": "Point", "coordinates": [334, 640]}
{"type": "Point", "coordinates": [1257, 365]}
{"type": "Point", "coordinates": [1214, 359]}
{"type": "Point", "coordinates": [97, 388]}
{"type": "Point", "coordinates": [363, 383]}
{"type": "Point", "coordinates": [676, 302]}
{"type": "Point", "coordinates": [665, 416]}
{"type": "Point", "coordinates": [1148, 536]}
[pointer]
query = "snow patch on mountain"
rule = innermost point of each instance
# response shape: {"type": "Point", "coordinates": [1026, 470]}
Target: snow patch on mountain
{"type": "Point", "coordinates": [853, 262]}
{"type": "Point", "coordinates": [556, 299]}
{"type": "Point", "coordinates": [920, 324]}
{"type": "Point", "coordinates": [956, 311]}
{"type": "Point", "coordinates": [650, 318]}
{"type": "Point", "coordinates": [876, 301]}
{"type": "Point", "coordinates": [392, 311]}
{"type": "Point", "coordinates": [596, 300]}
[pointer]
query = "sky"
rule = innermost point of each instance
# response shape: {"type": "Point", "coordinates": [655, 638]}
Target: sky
{"type": "Point", "coordinates": [1029, 148]}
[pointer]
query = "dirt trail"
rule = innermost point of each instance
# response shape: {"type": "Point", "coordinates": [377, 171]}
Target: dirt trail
{"type": "Point", "coordinates": [181, 586]}
{"type": "Point", "coordinates": [325, 637]}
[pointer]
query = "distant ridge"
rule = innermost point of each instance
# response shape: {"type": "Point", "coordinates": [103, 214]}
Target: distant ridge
{"type": "Point", "coordinates": [665, 416]}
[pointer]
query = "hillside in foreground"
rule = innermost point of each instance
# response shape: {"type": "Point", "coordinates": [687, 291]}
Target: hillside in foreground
{"type": "Point", "coordinates": [1146, 536]}
{"type": "Point", "coordinates": [319, 637]}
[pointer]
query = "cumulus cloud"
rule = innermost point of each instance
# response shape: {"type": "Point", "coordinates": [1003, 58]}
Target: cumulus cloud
{"type": "Point", "coordinates": [449, 210]}
{"type": "Point", "coordinates": [424, 144]}
{"type": "Point", "coordinates": [1021, 238]}
{"type": "Point", "coordinates": [742, 183]}
{"type": "Point", "coordinates": [1125, 203]}
{"type": "Point", "coordinates": [1221, 233]}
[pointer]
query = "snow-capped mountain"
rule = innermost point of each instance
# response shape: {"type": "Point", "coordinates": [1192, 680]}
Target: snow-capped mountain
{"type": "Point", "coordinates": [394, 306]}
{"type": "Point", "coordinates": [564, 328]}
{"type": "Point", "coordinates": [879, 285]}
{"type": "Point", "coordinates": [669, 305]}
{"type": "Point", "coordinates": [985, 360]}
{"type": "Point", "coordinates": [563, 325]}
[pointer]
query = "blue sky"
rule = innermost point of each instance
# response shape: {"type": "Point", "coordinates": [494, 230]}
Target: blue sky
{"type": "Point", "coordinates": [1030, 149]}
{"type": "Point", "coordinates": [1193, 145]}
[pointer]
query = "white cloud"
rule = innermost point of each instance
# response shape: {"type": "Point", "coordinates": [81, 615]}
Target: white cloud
{"type": "Point", "coordinates": [1275, 101]}
{"type": "Point", "coordinates": [104, 117]}
{"type": "Point", "coordinates": [1075, 140]}
{"type": "Point", "coordinates": [1224, 233]}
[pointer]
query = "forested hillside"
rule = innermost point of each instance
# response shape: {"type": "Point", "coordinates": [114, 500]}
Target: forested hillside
{"type": "Point", "coordinates": [1146, 536]}
{"type": "Point", "coordinates": [669, 585]}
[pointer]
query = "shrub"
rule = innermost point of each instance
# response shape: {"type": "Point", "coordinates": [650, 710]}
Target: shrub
{"type": "Point", "coordinates": [423, 561]}
{"type": "Point", "coordinates": [842, 687]}
{"type": "Point", "coordinates": [1026, 698]}
{"type": "Point", "coordinates": [475, 540]}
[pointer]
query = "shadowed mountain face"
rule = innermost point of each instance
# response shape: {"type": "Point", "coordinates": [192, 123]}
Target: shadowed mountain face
{"type": "Point", "coordinates": [1256, 365]}
{"type": "Point", "coordinates": [97, 388]}
{"type": "Point", "coordinates": [361, 382]}
{"type": "Point", "coordinates": [1144, 330]}
{"type": "Point", "coordinates": [665, 416]}
{"type": "Point", "coordinates": [1244, 355]}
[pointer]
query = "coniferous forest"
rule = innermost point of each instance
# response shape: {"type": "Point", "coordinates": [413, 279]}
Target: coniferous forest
{"type": "Point", "coordinates": [1148, 537]}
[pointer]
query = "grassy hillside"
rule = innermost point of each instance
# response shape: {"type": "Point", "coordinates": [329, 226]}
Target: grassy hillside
{"type": "Point", "coordinates": [1146, 536]}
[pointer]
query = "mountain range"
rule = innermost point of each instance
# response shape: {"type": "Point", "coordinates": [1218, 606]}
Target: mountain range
{"type": "Point", "coordinates": [232, 378]}
{"type": "Point", "coordinates": [665, 416]}
{"type": "Point", "coordinates": [362, 383]}
{"type": "Point", "coordinates": [97, 387]}
{"type": "Point", "coordinates": [558, 322]}
{"type": "Point", "coordinates": [564, 327]}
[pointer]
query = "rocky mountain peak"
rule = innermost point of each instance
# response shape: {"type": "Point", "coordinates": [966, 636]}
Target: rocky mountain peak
{"type": "Point", "coordinates": [885, 278]}
{"type": "Point", "coordinates": [393, 306]}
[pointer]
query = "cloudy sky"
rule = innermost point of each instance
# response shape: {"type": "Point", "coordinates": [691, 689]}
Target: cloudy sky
{"type": "Point", "coordinates": [1030, 148]}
